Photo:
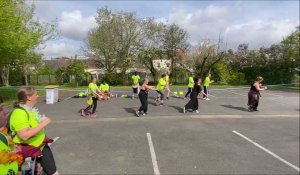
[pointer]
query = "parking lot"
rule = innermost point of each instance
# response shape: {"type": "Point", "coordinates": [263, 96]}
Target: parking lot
{"type": "Point", "coordinates": [224, 138]}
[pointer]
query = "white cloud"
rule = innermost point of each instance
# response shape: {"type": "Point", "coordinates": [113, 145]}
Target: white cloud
{"type": "Point", "coordinates": [222, 20]}
{"type": "Point", "coordinates": [74, 26]}
{"type": "Point", "coordinates": [260, 33]}
{"type": "Point", "coordinates": [59, 49]}
{"type": "Point", "coordinates": [203, 23]}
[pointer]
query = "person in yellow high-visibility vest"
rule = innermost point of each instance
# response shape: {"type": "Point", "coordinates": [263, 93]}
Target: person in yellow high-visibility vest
{"type": "Point", "coordinates": [135, 84]}
{"type": "Point", "coordinates": [6, 166]}
{"type": "Point", "coordinates": [191, 84]}
{"type": "Point", "coordinates": [94, 94]}
{"type": "Point", "coordinates": [105, 89]}
{"type": "Point", "coordinates": [162, 83]}
{"type": "Point", "coordinates": [207, 81]}
{"type": "Point", "coordinates": [27, 127]}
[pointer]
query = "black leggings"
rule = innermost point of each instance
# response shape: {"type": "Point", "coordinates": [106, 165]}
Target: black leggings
{"type": "Point", "coordinates": [144, 101]}
{"type": "Point", "coordinates": [188, 92]}
{"type": "Point", "coordinates": [205, 92]}
{"type": "Point", "coordinates": [94, 105]}
{"type": "Point", "coordinates": [193, 103]}
{"type": "Point", "coordinates": [161, 95]}
{"type": "Point", "coordinates": [47, 161]}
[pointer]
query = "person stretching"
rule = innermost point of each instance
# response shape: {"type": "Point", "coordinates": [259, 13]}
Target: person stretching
{"type": "Point", "coordinates": [162, 83]}
{"type": "Point", "coordinates": [193, 104]}
{"type": "Point", "coordinates": [94, 94]}
{"type": "Point", "coordinates": [143, 95]}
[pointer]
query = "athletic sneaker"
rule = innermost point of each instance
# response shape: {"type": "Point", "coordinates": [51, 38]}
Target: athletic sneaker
{"type": "Point", "coordinates": [183, 109]}
{"type": "Point", "coordinates": [197, 111]}
{"type": "Point", "coordinates": [144, 114]}
{"type": "Point", "coordinates": [189, 110]}
{"type": "Point", "coordinates": [207, 99]}
{"type": "Point", "coordinates": [83, 114]}
{"type": "Point", "coordinates": [137, 113]}
{"type": "Point", "coordinates": [93, 115]}
{"type": "Point", "coordinates": [54, 140]}
{"type": "Point", "coordinates": [250, 109]}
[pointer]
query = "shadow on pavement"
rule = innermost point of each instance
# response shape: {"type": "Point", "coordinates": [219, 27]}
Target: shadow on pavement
{"type": "Point", "coordinates": [178, 108]}
{"type": "Point", "coordinates": [235, 107]}
{"type": "Point", "coordinates": [130, 110]}
{"type": "Point", "coordinates": [152, 103]}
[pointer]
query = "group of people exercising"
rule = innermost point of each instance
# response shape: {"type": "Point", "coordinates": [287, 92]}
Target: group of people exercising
{"type": "Point", "coordinates": [140, 89]}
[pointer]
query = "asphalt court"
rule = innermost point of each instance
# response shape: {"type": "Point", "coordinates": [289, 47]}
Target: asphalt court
{"type": "Point", "coordinates": [116, 142]}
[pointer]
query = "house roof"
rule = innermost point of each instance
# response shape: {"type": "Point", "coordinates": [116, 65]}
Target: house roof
{"type": "Point", "coordinates": [57, 63]}
{"type": "Point", "coordinates": [62, 62]}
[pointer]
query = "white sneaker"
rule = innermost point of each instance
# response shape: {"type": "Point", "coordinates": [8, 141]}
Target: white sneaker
{"type": "Point", "coordinates": [183, 109]}
{"type": "Point", "coordinates": [137, 113]}
{"type": "Point", "coordinates": [197, 111]}
{"type": "Point", "coordinates": [207, 99]}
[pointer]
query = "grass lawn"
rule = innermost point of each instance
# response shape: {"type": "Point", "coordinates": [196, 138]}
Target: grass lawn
{"type": "Point", "coordinates": [9, 94]}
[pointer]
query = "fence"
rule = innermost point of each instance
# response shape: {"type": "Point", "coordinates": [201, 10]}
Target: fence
{"type": "Point", "coordinates": [42, 79]}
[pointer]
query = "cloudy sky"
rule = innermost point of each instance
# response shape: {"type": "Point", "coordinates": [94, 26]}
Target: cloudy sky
{"type": "Point", "coordinates": [258, 23]}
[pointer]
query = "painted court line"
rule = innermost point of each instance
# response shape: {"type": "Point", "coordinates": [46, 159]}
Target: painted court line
{"type": "Point", "coordinates": [68, 97]}
{"type": "Point", "coordinates": [266, 150]}
{"type": "Point", "coordinates": [153, 156]}
{"type": "Point", "coordinates": [243, 116]}
{"type": "Point", "coordinates": [171, 117]}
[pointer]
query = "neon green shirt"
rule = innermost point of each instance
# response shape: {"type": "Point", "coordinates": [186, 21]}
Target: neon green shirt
{"type": "Point", "coordinates": [8, 167]}
{"type": "Point", "coordinates": [207, 81]}
{"type": "Point", "coordinates": [19, 120]}
{"type": "Point", "coordinates": [161, 84]}
{"type": "Point", "coordinates": [104, 87]}
{"type": "Point", "coordinates": [135, 79]}
{"type": "Point", "coordinates": [191, 82]}
{"type": "Point", "coordinates": [92, 89]}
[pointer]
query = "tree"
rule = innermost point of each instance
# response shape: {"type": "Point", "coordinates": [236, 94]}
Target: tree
{"type": "Point", "coordinates": [151, 43]}
{"type": "Point", "coordinates": [206, 55]}
{"type": "Point", "coordinates": [20, 36]}
{"type": "Point", "coordinates": [61, 75]}
{"type": "Point", "coordinates": [76, 69]}
{"type": "Point", "coordinates": [115, 40]}
{"type": "Point", "coordinates": [291, 54]}
{"type": "Point", "coordinates": [277, 64]}
{"type": "Point", "coordinates": [174, 38]}
{"type": "Point", "coordinates": [10, 24]}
